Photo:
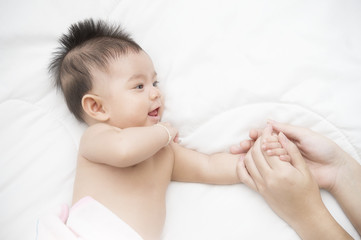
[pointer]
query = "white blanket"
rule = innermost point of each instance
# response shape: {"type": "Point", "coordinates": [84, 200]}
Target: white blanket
{"type": "Point", "coordinates": [224, 66]}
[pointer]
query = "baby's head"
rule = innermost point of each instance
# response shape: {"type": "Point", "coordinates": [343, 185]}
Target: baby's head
{"type": "Point", "coordinates": [96, 64]}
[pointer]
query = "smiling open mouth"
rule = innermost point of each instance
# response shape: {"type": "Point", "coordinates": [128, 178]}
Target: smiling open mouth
{"type": "Point", "coordinates": [154, 113]}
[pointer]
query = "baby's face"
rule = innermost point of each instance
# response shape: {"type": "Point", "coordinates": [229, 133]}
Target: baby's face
{"type": "Point", "coordinates": [129, 89]}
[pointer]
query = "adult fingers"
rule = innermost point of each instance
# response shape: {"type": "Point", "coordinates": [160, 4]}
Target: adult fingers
{"type": "Point", "coordinates": [290, 131]}
{"type": "Point", "coordinates": [253, 170]}
{"type": "Point", "coordinates": [259, 160]}
{"type": "Point", "coordinates": [296, 157]}
{"type": "Point", "coordinates": [244, 175]}
{"type": "Point", "coordinates": [285, 158]}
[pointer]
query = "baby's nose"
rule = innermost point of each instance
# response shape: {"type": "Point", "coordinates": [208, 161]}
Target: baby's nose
{"type": "Point", "coordinates": [155, 93]}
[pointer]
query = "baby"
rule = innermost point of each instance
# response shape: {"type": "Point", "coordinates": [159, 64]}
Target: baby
{"type": "Point", "coordinates": [127, 155]}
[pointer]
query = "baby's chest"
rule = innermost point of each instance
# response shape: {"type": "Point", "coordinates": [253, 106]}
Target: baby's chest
{"type": "Point", "coordinates": [152, 175]}
{"type": "Point", "coordinates": [156, 170]}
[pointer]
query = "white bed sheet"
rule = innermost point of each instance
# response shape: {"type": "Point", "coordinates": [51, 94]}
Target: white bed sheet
{"type": "Point", "coordinates": [224, 66]}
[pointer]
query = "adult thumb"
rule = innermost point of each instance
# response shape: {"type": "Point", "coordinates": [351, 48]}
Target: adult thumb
{"type": "Point", "coordinates": [290, 131]}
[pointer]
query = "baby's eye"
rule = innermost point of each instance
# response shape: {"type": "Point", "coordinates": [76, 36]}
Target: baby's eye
{"type": "Point", "coordinates": [139, 86]}
{"type": "Point", "coordinates": [155, 84]}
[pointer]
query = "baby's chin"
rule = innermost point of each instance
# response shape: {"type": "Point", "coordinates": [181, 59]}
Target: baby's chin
{"type": "Point", "coordinates": [153, 120]}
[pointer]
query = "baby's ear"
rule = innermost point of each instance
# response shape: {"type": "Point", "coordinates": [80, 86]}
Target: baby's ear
{"type": "Point", "coordinates": [94, 108]}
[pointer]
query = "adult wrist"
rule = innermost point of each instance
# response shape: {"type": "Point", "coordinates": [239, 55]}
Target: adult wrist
{"type": "Point", "coordinates": [319, 224]}
{"type": "Point", "coordinates": [349, 172]}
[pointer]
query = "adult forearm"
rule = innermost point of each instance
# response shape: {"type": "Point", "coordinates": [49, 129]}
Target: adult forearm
{"type": "Point", "coordinates": [347, 191]}
{"type": "Point", "coordinates": [318, 224]}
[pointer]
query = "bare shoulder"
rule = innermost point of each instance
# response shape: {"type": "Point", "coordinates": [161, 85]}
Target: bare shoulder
{"type": "Point", "coordinates": [95, 135]}
{"type": "Point", "coordinates": [97, 132]}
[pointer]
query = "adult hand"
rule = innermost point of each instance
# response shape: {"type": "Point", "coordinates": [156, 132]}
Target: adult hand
{"type": "Point", "coordinates": [324, 157]}
{"type": "Point", "coordinates": [289, 189]}
{"type": "Point", "coordinates": [273, 178]}
{"type": "Point", "coordinates": [333, 168]}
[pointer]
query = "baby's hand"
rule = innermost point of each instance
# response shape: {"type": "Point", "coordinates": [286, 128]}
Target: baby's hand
{"type": "Point", "coordinates": [272, 147]}
{"type": "Point", "coordinates": [245, 145]}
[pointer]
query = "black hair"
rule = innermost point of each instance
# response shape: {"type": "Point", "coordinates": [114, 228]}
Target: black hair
{"type": "Point", "coordinates": [88, 44]}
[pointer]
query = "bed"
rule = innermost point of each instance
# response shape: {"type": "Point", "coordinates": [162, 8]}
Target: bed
{"type": "Point", "coordinates": [225, 67]}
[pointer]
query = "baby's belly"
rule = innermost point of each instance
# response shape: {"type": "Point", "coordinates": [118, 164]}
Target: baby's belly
{"type": "Point", "coordinates": [138, 199]}
{"type": "Point", "coordinates": [144, 212]}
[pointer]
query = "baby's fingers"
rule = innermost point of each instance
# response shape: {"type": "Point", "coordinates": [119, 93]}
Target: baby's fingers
{"type": "Point", "coordinates": [271, 145]}
{"type": "Point", "coordinates": [255, 133]}
{"type": "Point", "coordinates": [272, 138]}
{"type": "Point", "coordinates": [281, 152]}
{"type": "Point", "coordinates": [243, 147]}
{"type": "Point", "coordinates": [276, 152]}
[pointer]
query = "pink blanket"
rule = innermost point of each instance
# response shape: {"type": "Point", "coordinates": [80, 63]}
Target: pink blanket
{"type": "Point", "coordinates": [86, 220]}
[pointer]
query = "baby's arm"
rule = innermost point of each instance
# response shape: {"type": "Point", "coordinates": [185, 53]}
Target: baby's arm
{"type": "Point", "coordinates": [193, 166]}
{"type": "Point", "coordinates": [109, 145]}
